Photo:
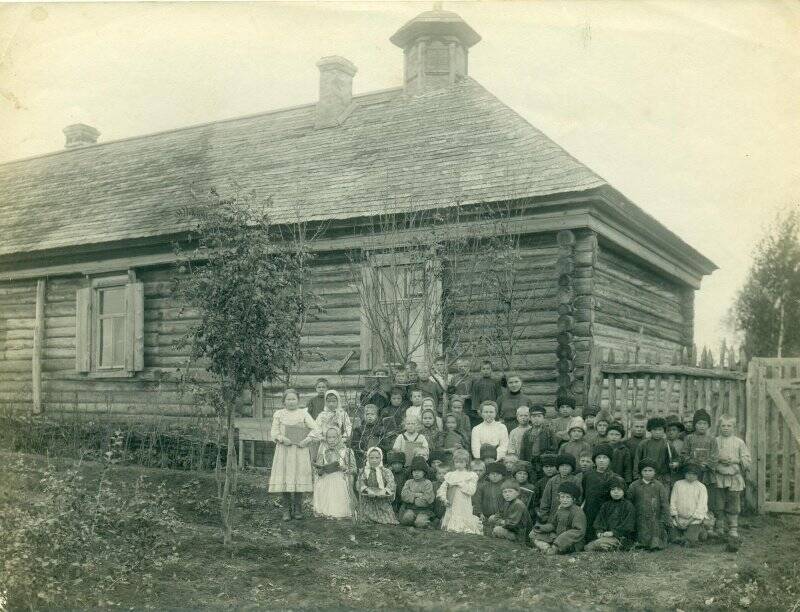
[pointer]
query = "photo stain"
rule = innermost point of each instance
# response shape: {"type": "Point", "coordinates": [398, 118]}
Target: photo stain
{"type": "Point", "coordinates": [39, 13]}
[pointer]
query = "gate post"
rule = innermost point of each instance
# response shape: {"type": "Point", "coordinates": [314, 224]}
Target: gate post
{"type": "Point", "coordinates": [753, 491]}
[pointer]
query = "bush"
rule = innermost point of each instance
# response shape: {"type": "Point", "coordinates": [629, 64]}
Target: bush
{"type": "Point", "coordinates": [77, 541]}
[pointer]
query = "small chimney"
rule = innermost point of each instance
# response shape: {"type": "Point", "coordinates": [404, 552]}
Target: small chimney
{"type": "Point", "coordinates": [335, 89]}
{"type": "Point", "coordinates": [80, 135]}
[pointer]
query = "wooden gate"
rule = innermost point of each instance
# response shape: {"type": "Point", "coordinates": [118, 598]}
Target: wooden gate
{"type": "Point", "coordinates": [773, 431]}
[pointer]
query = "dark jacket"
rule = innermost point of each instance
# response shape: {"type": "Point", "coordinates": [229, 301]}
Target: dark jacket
{"type": "Point", "coordinates": [534, 443]}
{"type": "Point", "coordinates": [619, 517]}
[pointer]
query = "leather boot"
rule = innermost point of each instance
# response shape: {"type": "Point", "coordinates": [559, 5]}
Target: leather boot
{"type": "Point", "coordinates": [733, 523]}
{"type": "Point", "coordinates": [287, 507]}
{"type": "Point", "coordinates": [297, 506]}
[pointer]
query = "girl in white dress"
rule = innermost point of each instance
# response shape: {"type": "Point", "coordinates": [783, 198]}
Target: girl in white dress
{"type": "Point", "coordinates": [293, 430]}
{"type": "Point", "coordinates": [335, 465]}
{"type": "Point", "coordinates": [456, 492]}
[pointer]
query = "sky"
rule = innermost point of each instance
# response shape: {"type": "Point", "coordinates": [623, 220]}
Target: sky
{"type": "Point", "coordinates": [689, 108]}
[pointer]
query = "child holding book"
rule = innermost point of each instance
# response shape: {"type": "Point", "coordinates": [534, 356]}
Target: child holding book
{"type": "Point", "coordinates": [335, 465]}
{"type": "Point", "coordinates": [456, 493]}
{"type": "Point", "coordinates": [293, 430]}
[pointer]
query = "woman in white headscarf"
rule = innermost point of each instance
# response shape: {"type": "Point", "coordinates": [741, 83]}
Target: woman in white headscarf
{"type": "Point", "coordinates": [376, 487]}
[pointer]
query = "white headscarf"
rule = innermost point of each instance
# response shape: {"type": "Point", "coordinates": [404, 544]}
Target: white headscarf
{"type": "Point", "coordinates": [337, 419]}
{"type": "Point", "coordinates": [378, 469]}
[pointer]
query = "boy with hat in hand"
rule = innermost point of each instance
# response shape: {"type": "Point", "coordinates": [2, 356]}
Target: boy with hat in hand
{"type": "Point", "coordinates": [513, 522]}
{"type": "Point", "coordinates": [649, 498]}
{"type": "Point", "coordinates": [566, 530]}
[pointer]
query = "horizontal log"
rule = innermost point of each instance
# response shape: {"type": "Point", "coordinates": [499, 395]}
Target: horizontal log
{"type": "Point", "coordinates": [11, 324]}
{"type": "Point", "coordinates": [59, 341]}
{"type": "Point", "coordinates": [60, 309]}
{"type": "Point", "coordinates": [15, 354]}
{"type": "Point", "coordinates": [57, 322]}
{"type": "Point", "coordinates": [15, 344]}
{"type": "Point", "coordinates": [632, 326]}
{"type": "Point", "coordinates": [119, 409]}
{"type": "Point", "coordinates": [52, 365]}
{"type": "Point", "coordinates": [15, 301]}
{"type": "Point", "coordinates": [59, 332]}
{"type": "Point", "coordinates": [16, 365]}
{"type": "Point", "coordinates": [680, 370]}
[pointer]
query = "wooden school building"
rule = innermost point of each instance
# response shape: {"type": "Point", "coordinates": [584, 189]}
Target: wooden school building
{"type": "Point", "coordinates": [87, 320]}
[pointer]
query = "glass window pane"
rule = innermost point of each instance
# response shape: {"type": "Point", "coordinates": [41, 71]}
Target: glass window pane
{"type": "Point", "coordinates": [105, 358]}
{"type": "Point", "coordinates": [112, 301]}
{"type": "Point", "coordinates": [119, 341]}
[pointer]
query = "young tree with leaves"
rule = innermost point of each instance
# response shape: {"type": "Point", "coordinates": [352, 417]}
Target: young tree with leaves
{"type": "Point", "coordinates": [247, 280]}
{"type": "Point", "coordinates": [768, 306]}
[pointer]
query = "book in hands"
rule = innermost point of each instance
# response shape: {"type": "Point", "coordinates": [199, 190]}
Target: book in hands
{"type": "Point", "coordinates": [296, 433]}
{"type": "Point", "coordinates": [329, 468]}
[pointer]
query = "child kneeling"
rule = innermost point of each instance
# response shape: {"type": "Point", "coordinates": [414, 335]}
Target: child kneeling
{"type": "Point", "coordinates": [513, 521]}
{"type": "Point", "coordinates": [689, 507]}
{"type": "Point", "coordinates": [568, 527]}
{"type": "Point", "coordinates": [418, 496]}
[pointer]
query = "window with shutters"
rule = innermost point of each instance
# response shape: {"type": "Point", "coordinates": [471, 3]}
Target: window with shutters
{"type": "Point", "coordinates": [110, 327]}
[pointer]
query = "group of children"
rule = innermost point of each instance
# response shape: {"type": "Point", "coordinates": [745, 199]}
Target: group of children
{"type": "Point", "coordinates": [419, 457]}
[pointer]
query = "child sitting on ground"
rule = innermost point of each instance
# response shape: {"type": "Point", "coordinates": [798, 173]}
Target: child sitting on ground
{"type": "Point", "coordinates": [489, 496]}
{"type": "Point", "coordinates": [548, 470]}
{"type": "Point", "coordinates": [411, 443]}
{"type": "Point", "coordinates": [522, 425]}
{"type": "Point", "coordinates": [621, 459]}
{"type": "Point", "coordinates": [649, 498]}
{"type": "Point", "coordinates": [566, 530]}
{"type": "Point", "coordinates": [576, 445]}
{"type": "Point", "coordinates": [417, 496]}
{"type": "Point", "coordinates": [565, 465]}
{"type": "Point", "coordinates": [456, 492]}
{"type": "Point", "coordinates": [513, 522]}
{"type": "Point", "coordinates": [397, 462]}
{"type": "Point", "coordinates": [376, 486]}
{"type": "Point", "coordinates": [733, 462]}
{"type": "Point", "coordinates": [688, 507]}
{"type": "Point", "coordinates": [521, 472]}
{"type": "Point", "coordinates": [615, 524]}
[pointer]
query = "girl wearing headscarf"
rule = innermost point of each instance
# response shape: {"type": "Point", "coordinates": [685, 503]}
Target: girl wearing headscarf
{"type": "Point", "coordinates": [334, 415]}
{"type": "Point", "coordinates": [335, 465]}
{"type": "Point", "coordinates": [376, 487]}
{"type": "Point", "coordinates": [429, 427]}
{"type": "Point", "coordinates": [293, 430]}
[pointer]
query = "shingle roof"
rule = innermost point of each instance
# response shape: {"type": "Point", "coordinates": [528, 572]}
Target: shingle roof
{"type": "Point", "coordinates": [393, 152]}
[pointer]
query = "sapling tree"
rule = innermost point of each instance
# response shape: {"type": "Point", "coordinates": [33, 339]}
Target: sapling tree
{"type": "Point", "coordinates": [246, 280]}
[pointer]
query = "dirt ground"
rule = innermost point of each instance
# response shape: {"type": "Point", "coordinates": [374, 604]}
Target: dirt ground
{"type": "Point", "coordinates": [316, 564]}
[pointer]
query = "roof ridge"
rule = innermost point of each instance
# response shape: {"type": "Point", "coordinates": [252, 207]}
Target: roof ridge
{"type": "Point", "coordinates": [356, 99]}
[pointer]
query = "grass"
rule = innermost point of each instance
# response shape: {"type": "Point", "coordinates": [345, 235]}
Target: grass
{"type": "Point", "coordinates": [327, 564]}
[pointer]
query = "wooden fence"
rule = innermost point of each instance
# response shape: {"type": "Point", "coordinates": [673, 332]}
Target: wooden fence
{"type": "Point", "coordinates": [661, 384]}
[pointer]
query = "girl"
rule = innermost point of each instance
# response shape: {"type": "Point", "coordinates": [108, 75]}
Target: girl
{"type": "Point", "coordinates": [429, 428]}
{"type": "Point", "coordinates": [456, 492]}
{"type": "Point", "coordinates": [376, 487]}
{"type": "Point", "coordinates": [293, 430]}
{"type": "Point", "coordinates": [335, 415]}
{"type": "Point", "coordinates": [428, 404]}
{"type": "Point", "coordinates": [335, 466]}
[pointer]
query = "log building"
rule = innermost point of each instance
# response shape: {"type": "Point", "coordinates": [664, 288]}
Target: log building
{"type": "Point", "coordinates": [87, 320]}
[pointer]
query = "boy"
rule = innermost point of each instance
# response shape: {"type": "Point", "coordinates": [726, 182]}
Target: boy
{"type": "Point", "coordinates": [396, 462]}
{"type": "Point", "coordinates": [649, 498]}
{"type": "Point", "coordinates": [370, 433]}
{"type": "Point", "coordinates": [548, 469]}
{"type": "Point", "coordinates": [463, 423]}
{"type": "Point", "coordinates": [688, 507]}
{"type": "Point", "coordinates": [394, 413]}
{"type": "Point", "coordinates": [429, 387]}
{"type": "Point", "coordinates": [417, 496]}
{"type": "Point", "coordinates": [585, 462]}
{"type": "Point", "coordinates": [484, 387]}
{"type": "Point", "coordinates": [510, 460]}
{"type": "Point", "coordinates": [688, 425]}
{"type": "Point", "coordinates": [675, 445]}
{"type": "Point", "coordinates": [539, 439]}
{"type": "Point", "coordinates": [733, 463]}
{"type": "Point", "coordinates": [621, 460]}
{"type": "Point", "coordinates": [523, 424]}
{"type": "Point", "coordinates": [589, 418]}
{"type": "Point", "coordinates": [513, 522]}
{"type": "Point", "coordinates": [411, 443]}
{"type": "Point", "coordinates": [490, 432]}
{"type": "Point", "coordinates": [595, 485]}
{"type": "Point", "coordinates": [601, 423]}
{"type": "Point", "coordinates": [488, 499]}
{"type": "Point", "coordinates": [521, 472]}
{"type": "Point", "coordinates": [479, 467]}
{"type": "Point", "coordinates": [615, 524]}
{"type": "Point", "coordinates": [566, 411]}
{"type": "Point", "coordinates": [638, 433]}
{"type": "Point", "coordinates": [565, 465]}
{"type": "Point", "coordinates": [576, 445]}
{"type": "Point", "coordinates": [700, 447]}
{"type": "Point", "coordinates": [414, 411]}
{"type": "Point", "coordinates": [316, 404]}
{"type": "Point", "coordinates": [656, 449]}
{"type": "Point", "coordinates": [511, 399]}
{"type": "Point", "coordinates": [565, 532]}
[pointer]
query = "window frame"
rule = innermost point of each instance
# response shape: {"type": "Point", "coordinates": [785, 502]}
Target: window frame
{"type": "Point", "coordinates": [98, 286]}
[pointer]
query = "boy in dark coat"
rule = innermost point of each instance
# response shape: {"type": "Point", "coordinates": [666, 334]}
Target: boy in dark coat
{"type": "Point", "coordinates": [621, 458]}
{"type": "Point", "coordinates": [397, 462]}
{"type": "Point", "coordinates": [550, 500]}
{"type": "Point", "coordinates": [638, 434]}
{"type": "Point", "coordinates": [566, 531]}
{"type": "Point", "coordinates": [548, 469]}
{"type": "Point", "coordinates": [595, 485]}
{"type": "Point", "coordinates": [700, 447]}
{"type": "Point", "coordinates": [488, 499]}
{"type": "Point", "coordinates": [513, 522]}
{"type": "Point", "coordinates": [615, 524]}
{"type": "Point", "coordinates": [539, 439]}
{"type": "Point", "coordinates": [484, 387]}
{"type": "Point", "coordinates": [651, 501]}
{"type": "Point", "coordinates": [511, 399]}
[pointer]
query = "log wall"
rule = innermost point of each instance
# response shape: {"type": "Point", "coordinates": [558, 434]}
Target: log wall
{"type": "Point", "coordinates": [17, 321]}
{"type": "Point", "coordinates": [635, 306]}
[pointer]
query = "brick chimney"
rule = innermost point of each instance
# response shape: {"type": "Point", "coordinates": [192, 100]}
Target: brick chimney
{"type": "Point", "coordinates": [435, 45]}
{"type": "Point", "coordinates": [80, 135]}
{"type": "Point", "coordinates": [335, 90]}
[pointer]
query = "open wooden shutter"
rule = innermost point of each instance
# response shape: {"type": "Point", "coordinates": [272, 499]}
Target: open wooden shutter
{"type": "Point", "coordinates": [83, 330]}
{"type": "Point", "coordinates": [134, 327]}
{"type": "Point", "coordinates": [365, 338]}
